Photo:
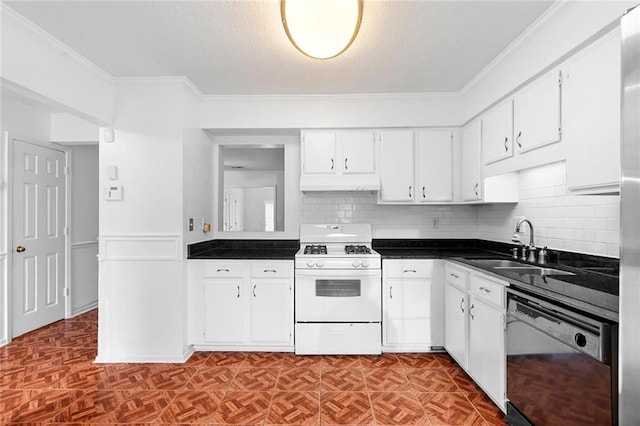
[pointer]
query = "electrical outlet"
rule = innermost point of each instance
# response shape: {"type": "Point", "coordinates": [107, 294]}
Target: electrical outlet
{"type": "Point", "coordinates": [190, 224]}
{"type": "Point", "coordinates": [436, 223]}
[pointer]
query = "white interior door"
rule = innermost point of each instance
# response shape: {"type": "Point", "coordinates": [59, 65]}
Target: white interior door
{"type": "Point", "coordinates": [38, 237]}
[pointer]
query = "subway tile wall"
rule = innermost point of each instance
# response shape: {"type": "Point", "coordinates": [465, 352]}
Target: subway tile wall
{"type": "Point", "coordinates": [563, 221]}
{"type": "Point", "coordinates": [389, 221]}
{"type": "Point", "coordinates": [579, 223]}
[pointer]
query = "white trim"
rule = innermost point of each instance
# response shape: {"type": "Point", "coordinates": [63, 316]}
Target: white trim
{"type": "Point", "coordinates": [162, 80]}
{"type": "Point", "coordinates": [540, 22]}
{"type": "Point", "coordinates": [243, 348]}
{"type": "Point", "coordinates": [51, 40]}
{"type": "Point", "coordinates": [186, 354]}
{"type": "Point", "coordinates": [83, 309]}
{"type": "Point", "coordinates": [140, 247]}
{"type": "Point", "coordinates": [4, 342]}
{"type": "Point", "coordinates": [331, 96]}
{"type": "Point", "coordinates": [84, 244]}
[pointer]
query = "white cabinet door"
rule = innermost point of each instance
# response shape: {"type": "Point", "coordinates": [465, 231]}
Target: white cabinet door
{"type": "Point", "coordinates": [536, 113]}
{"type": "Point", "coordinates": [472, 161]}
{"type": "Point", "coordinates": [455, 334]}
{"type": "Point", "coordinates": [396, 166]}
{"type": "Point", "coordinates": [434, 165]}
{"type": "Point", "coordinates": [224, 311]}
{"type": "Point", "coordinates": [591, 111]}
{"type": "Point", "coordinates": [407, 317]}
{"type": "Point", "coordinates": [486, 348]}
{"type": "Point", "coordinates": [497, 133]}
{"type": "Point", "coordinates": [319, 152]}
{"type": "Point", "coordinates": [271, 312]}
{"type": "Point", "coordinates": [358, 151]}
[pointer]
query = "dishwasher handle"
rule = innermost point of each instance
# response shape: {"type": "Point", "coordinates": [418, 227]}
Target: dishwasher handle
{"type": "Point", "coordinates": [574, 331]}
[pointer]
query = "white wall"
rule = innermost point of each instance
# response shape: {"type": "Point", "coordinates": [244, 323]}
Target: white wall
{"type": "Point", "coordinates": [584, 224]}
{"type": "Point", "coordinates": [29, 122]}
{"type": "Point", "coordinates": [142, 294]}
{"type": "Point", "coordinates": [84, 228]}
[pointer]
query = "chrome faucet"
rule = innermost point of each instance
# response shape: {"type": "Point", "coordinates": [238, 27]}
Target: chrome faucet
{"type": "Point", "coordinates": [532, 246]}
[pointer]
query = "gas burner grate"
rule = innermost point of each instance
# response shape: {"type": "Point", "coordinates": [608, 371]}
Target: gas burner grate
{"type": "Point", "coordinates": [353, 249]}
{"type": "Point", "coordinates": [315, 249]}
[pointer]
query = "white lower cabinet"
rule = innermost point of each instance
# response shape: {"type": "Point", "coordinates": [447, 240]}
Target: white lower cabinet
{"type": "Point", "coordinates": [475, 327]}
{"type": "Point", "coordinates": [236, 305]}
{"type": "Point", "coordinates": [412, 305]}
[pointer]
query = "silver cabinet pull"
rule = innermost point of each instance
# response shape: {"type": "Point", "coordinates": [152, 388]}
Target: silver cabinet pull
{"type": "Point", "coordinates": [410, 196]}
{"type": "Point", "coordinates": [424, 195]}
{"type": "Point", "coordinates": [345, 164]}
{"type": "Point", "coordinates": [506, 147]}
{"type": "Point", "coordinates": [461, 303]}
{"type": "Point", "coordinates": [471, 311]}
{"type": "Point", "coordinates": [475, 189]}
{"type": "Point", "coordinates": [238, 295]}
{"type": "Point", "coordinates": [409, 270]}
{"type": "Point", "coordinates": [270, 270]}
{"type": "Point", "coordinates": [254, 290]}
{"type": "Point", "coordinates": [332, 164]}
{"type": "Point", "coordinates": [454, 275]}
{"type": "Point", "coordinates": [518, 139]}
{"type": "Point", "coordinates": [391, 292]}
{"type": "Point", "coordinates": [486, 290]}
{"type": "Point", "coordinates": [222, 270]}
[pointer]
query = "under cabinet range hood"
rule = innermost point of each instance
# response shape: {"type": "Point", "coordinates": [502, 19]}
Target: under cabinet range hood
{"type": "Point", "coordinates": [351, 182]}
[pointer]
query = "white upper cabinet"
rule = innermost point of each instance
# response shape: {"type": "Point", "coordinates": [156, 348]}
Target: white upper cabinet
{"type": "Point", "coordinates": [357, 151]}
{"type": "Point", "coordinates": [591, 113]}
{"type": "Point", "coordinates": [536, 113]}
{"type": "Point", "coordinates": [416, 166]}
{"type": "Point", "coordinates": [338, 151]}
{"type": "Point", "coordinates": [471, 161]}
{"type": "Point", "coordinates": [319, 152]}
{"type": "Point", "coordinates": [396, 166]}
{"type": "Point", "coordinates": [497, 133]}
{"type": "Point", "coordinates": [434, 165]}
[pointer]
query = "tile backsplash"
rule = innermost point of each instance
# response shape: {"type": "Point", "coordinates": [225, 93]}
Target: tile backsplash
{"type": "Point", "coordinates": [562, 221]}
{"type": "Point", "coordinates": [579, 223]}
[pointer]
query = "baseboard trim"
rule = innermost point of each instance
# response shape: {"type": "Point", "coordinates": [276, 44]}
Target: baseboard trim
{"type": "Point", "coordinates": [142, 359]}
{"type": "Point", "coordinates": [84, 309]}
{"type": "Point", "coordinates": [241, 348]}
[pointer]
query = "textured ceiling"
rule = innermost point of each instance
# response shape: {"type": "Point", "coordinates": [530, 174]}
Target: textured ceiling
{"type": "Point", "coordinates": [240, 47]}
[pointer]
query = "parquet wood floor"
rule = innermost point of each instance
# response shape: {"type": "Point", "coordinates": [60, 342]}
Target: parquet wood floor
{"type": "Point", "coordinates": [48, 377]}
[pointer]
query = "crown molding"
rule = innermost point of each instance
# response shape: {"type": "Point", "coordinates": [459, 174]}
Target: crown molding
{"type": "Point", "coordinates": [537, 25]}
{"type": "Point", "coordinates": [162, 80]}
{"type": "Point", "coordinates": [334, 96]}
{"type": "Point", "coordinates": [7, 11]}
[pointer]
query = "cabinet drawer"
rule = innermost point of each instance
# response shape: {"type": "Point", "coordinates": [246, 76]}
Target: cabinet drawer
{"type": "Point", "coordinates": [408, 268]}
{"type": "Point", "coordinates": [488, 289]}
{"type": "Point", "coordinates": [455, 275]}
{"type": "Point", "coordinates": [224, 269]}
{"type": "Point", "coordinates": [271, 269]}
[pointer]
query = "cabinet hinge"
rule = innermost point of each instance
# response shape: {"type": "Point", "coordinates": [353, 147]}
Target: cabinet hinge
{"type": "Point", "coordinates": [67, 292]}
{"type": "Point", "coordinates": [65, 170]}
{"type": "Point", "coordinates": [560, 78]}
{"type": "Point", "coordinates": [65, 231]}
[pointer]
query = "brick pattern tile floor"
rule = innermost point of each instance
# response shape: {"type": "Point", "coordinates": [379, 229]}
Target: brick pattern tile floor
{"type": "Point", "coordinates": [48, 377]}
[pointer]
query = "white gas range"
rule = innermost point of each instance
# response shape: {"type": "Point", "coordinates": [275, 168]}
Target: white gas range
{"type": "Point", "coordinates": [338, 287]}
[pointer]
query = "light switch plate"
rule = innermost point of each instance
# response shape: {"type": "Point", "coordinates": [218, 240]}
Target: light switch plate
{"type": "Point", "coordinates": [113, 193]}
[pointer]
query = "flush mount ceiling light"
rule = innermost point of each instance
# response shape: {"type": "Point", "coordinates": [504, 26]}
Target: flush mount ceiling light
{"type": "Point", "coordinates": [321, 29]}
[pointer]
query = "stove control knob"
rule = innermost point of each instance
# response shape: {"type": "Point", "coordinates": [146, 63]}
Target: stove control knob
{"type": "Point", "coordinates": [355, 264]}
{"type": "Point", "coordinates": [364, 264]}
{"type": "Point", "coordinates": [310, 264]}
{"type": "Point", "coordinates": [319, 264]}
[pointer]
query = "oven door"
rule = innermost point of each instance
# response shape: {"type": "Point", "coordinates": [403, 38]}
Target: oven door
{"type": "Point", "coordinates": [338, 296]}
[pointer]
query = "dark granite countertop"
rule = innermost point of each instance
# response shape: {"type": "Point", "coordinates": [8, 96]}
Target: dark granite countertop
{"type": "Point", "coordinates": [244, 249]}
{"type": "Point", "coordinates": [593, 288]}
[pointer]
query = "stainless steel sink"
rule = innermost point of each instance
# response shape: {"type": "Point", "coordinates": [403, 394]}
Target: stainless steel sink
{"type": "Point", "coordinates": [518, 267]}
{"type": "Point", "coordinates": [498, 263]}
{"type": "Point", "coordinates": [532, 270]}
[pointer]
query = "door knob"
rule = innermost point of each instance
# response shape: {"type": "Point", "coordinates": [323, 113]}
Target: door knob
{"type": "Point", "coordinates": [20, 249]}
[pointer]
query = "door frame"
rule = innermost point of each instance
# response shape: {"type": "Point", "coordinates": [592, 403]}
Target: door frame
{"type": "Point", "coordinates": [8, 142]}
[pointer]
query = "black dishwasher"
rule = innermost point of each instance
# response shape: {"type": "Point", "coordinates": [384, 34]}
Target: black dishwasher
{"type": "Point", "coordinates": [561, 365]}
